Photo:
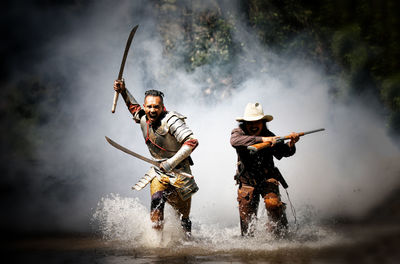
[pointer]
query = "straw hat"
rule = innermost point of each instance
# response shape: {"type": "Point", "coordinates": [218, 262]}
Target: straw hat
{"type": "Point", "coordinates": [254, 112]}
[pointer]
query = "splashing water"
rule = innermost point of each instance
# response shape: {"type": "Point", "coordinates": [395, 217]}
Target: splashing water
{"type": "Point", "coordinates": [126, 220]}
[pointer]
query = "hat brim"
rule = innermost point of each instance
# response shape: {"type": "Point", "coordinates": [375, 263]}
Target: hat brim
{"type": "Point", "coordinates": [267, 118]}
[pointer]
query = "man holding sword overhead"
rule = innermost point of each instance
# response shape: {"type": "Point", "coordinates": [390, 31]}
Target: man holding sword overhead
{"type": "Point", "coordinates": [170, 142]}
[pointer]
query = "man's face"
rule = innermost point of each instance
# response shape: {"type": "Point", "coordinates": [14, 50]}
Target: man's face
{"type": "Point", "coordinates": [254, 128]}
{"type": "Point", "coordinates": [153, 107]}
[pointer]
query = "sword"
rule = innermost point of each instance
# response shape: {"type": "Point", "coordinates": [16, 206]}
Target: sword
{"type": "Point", "coordinates": [130, 152]}
{"type": "Point", "coordinates": [121, 69]}
{"type": "Point", "coordinates": [153, 162]}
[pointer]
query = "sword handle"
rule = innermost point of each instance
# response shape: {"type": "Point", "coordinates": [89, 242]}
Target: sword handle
{"type": "Point", "coordinates": [114, 102]}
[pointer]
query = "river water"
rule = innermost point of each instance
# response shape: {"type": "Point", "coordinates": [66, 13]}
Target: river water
{"type": "Point", "coordinates": [123, 234]}
{"type": "Point", "coordinates": [350, 244]}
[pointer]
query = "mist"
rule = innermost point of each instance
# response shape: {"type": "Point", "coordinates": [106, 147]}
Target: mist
{"type": "Point", "coordinates": [344, 171]}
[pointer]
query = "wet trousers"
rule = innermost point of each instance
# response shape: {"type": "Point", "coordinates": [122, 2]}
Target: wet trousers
{"type": "Point", "coordinates": [162, 192]}
{"type": "Point", "coordinates": [249, 198]}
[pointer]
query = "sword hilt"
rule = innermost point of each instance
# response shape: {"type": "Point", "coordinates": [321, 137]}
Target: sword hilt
{"type": "Point", "coordinates": [114, 102]}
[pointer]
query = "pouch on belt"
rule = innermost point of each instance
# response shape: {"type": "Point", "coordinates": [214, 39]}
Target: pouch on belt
{"type": "Point", "coordinates": [183, 182]}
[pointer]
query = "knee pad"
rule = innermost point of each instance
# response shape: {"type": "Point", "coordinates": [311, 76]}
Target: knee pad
{"type": "Point", "coordinates": [245, 194]}
{"type": "Point", "coordinates": [248, 202]}
{"type": "Point", "coordinates": [272, 201]}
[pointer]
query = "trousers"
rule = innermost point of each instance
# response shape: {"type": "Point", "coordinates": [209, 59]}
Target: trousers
{"type": "Point", "coordinates": [162, 192]}
{"type": "Point", "coordinates": [249, 198]}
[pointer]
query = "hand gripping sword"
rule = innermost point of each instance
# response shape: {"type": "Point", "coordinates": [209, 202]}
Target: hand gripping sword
{"type": "Point", "coordinates": [146, 179]}
{"type": "Point", "coordinates": [130, 152]}
{"type": "Point", "coordinates": [121, 69]}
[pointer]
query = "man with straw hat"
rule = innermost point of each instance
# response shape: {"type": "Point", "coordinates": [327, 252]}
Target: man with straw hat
{"type": "Point", "coordinates": [256, 173]}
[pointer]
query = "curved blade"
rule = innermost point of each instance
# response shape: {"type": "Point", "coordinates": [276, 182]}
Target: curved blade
{"type": "Point", "coordinates": [128, 44]}
{"type": "Point", "coordinates": [130, 152]}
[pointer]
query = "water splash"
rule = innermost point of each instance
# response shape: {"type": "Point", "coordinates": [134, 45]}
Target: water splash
{"type": "Point", "coordinates": [126, 220]}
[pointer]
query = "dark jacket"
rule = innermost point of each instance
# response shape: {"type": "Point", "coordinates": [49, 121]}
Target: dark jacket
{"type": "Point", "coordinates": [255, 168]}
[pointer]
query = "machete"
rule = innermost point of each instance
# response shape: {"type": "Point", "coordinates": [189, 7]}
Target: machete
{"type": "Point", "coordinates": [130, 152]}
{"type": "Point", "coordinates": [153, 162]}
{"type": "Point", "coordinates": [121, 69]}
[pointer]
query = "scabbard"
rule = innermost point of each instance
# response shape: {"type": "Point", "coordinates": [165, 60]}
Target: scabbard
{"type": "Point", "coordinates": [278, 176]}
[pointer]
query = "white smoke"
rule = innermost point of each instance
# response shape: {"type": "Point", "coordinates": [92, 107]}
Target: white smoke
{"type": "Point", "coordinates": [343, 171]}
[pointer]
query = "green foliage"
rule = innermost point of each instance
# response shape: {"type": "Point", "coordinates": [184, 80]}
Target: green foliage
{"type": "Point", "coordinates": [391, 95]}
{"type": "Point", "coordinates": [355, 40]}
{"type": "Point", "coordinates": [365, 42]}
{"type": "Point", "coordinates": [391, 92]}
{"type": "Point", "coordinates": [354, 56]}
{"type": "Point", "coordinates": [211, 43]}
{"type": "Point", "coordinates": [276, 22]}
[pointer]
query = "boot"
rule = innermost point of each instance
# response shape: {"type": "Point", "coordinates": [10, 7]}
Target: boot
{"type": "Point", "coordinates": [187, 226]}
{"type": "Point", "coordinates": [279, 223]}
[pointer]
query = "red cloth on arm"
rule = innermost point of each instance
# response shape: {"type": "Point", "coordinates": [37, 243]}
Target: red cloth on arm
{"type": "Point", "coordinates": [193, 143]}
